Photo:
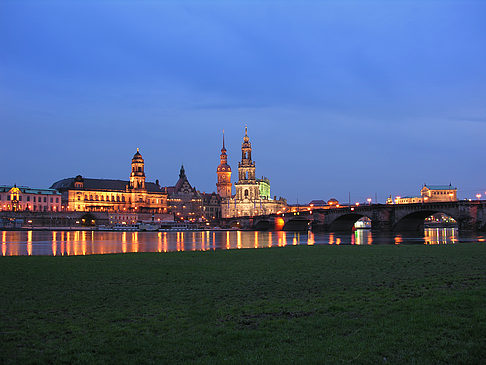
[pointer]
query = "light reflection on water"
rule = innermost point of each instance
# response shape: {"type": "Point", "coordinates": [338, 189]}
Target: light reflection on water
{"type": "Point", "coordinates": [60, 243]}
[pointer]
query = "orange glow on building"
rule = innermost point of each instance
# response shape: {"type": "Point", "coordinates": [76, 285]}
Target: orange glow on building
{"type": "Point", "coordinates": [23, 198]}
{"type": "Point", "coordinates": [102, 195]}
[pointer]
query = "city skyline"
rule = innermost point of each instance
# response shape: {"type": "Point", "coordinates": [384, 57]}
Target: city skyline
{"type": "Point", "coordinates": [357, 98]}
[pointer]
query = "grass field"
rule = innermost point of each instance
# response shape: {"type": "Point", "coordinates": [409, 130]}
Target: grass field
{"type": "Point", "coordinates": [334, 304]}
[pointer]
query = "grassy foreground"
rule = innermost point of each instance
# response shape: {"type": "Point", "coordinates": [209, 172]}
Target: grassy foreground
{"type": "Point", "coordinates": [334, 304]}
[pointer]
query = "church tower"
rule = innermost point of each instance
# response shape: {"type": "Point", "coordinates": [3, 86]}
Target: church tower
{"type": "Point", "coordinates": [224, 175]}
{"type": "Point", "coordinates": [246, 187]}
{"type": "Point", "coordinates": [137, 177]}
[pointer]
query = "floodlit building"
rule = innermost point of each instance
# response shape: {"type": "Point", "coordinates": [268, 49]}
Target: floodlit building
{"type": "Point", "coordinates": [184, 201]}
{"type": "Point", "coordinates": [224, 185]}
{"type": "Point", "coordinates": [22, 198]}
{"type": "Point", "coordinates": [211, 206]}
{"type": "Point", "coordinates": [252, 196]}
{"type": "Point", "coordinates": [104, 195]}
{"type": "Point", "coordinates": [438, 193]}
{"type": "Point", "coordinates": [407, 200]}
{"type": "Point", "coordinates": [428, 194]}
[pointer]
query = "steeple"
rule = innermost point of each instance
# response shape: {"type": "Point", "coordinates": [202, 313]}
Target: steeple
{"type": "Point", "coordinates": [247, 186]}
{"type": "Point", "coordinates": [246, 151]}
{"type": "Point", "coordinates": [224, 174]}
{"type": "Point", "coordinates": [137, 176]}
{"type": "Point", "coordinates": [223, 157]}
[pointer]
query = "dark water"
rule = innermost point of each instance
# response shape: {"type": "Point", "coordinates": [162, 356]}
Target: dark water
{"type": "Point", "coordinates": [94, 242]}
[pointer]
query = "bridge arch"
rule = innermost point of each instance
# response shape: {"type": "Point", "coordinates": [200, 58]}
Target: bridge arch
{"type": "Point", "coordinates": [414, 221]}
{"type": "Point", "coordinates": [346, 222]}
{"type": "Point", "coordinates": [263, 225]}
{"type": "Point", "coordinates": [88, 220]}
{"type": "Point", "coordinates": [297, 224]}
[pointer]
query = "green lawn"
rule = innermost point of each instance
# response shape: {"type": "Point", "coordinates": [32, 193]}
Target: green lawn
{"type": "Point", "coordinates": [334, 304]}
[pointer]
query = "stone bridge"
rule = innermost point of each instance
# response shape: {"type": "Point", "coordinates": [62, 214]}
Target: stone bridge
{"type": "Point", "coordinates": [469, 215]}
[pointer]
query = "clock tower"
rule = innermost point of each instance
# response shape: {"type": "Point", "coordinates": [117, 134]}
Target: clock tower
{"type": "Point", "coordinates": [224, 175]}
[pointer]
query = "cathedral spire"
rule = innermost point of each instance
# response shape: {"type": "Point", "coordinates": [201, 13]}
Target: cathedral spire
{"type": "Point", "coordinates": [224, 174]}
{"type": "Point", "coordinates": [246, 138]}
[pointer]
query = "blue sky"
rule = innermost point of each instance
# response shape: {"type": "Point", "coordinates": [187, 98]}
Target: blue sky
{"type": "Point", "coordinates": [339, 96]}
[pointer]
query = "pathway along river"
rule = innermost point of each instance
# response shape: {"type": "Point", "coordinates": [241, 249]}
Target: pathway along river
{"type": "Point", "coordinates": [60, 243]}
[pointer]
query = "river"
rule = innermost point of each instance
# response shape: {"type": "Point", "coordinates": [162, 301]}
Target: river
{"type": "Point", "coordinates": [61, 243]}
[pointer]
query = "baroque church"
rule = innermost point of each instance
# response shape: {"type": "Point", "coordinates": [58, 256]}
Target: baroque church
{"type": "Point", "coordinates": [252, 196]}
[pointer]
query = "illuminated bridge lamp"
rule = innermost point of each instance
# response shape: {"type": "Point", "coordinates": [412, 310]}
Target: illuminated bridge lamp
{"type": "Point", "coordinates": [369, 201]}
{"type": "Point", "coordinates": [478, 196]}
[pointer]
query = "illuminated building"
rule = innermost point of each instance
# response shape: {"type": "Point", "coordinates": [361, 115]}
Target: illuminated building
{"type": "Point", "coordinates": [407, 200]}
{"type": "Point", "coordinates": [224, 175]}
{"type": "Point", "coordinates": [211, 206]}
{"type": "Point", "coordinates": [103, 195]}
{"type": "Point", "coordinates": [264, 187]}
{"type": "Point", "coordinates": [428, 194]}
{"type": "Point", "coordinates": [23, 198]}
{"type": "Point", "coordinates": [333, 202]}
{"type": "Point", "coordinates": [315, 204]}
{"type": "Point", "coordinates": [438, 193]}
{"type": "Point", "coordinates": [184, 201]}
{"type": "Point", "coordinates": [252, 196]}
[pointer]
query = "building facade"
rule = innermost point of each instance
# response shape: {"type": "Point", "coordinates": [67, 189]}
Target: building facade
{"type": "Point", "coordinates": [211, 203]}
{"type": "Point", "coordinates": [438, 193]}
{"type": "Point", "coordinates": [408, 200]}
{"type": "Point", "coordinates": [224, 186]}
{"type": "Point", "coordinates": [104, 195]}
{"type": "Point", "coordinates": [184, 201]}
{"type": "Point", "coordinates": [22, 198]}
{"type": "Point", "coordinates": [428, 194]}
{"type": "Point", "coordinates": [252, 195]}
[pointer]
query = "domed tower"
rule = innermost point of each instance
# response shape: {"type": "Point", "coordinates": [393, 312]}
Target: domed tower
{"type": "Point", "coordinates": [246, 187]}
{"type": "Point", "coordinates": [224, 175]}
{"type": "Point", "coordinates": [246, 168]}
{"type": "Point", "coordinates": [137, 177]}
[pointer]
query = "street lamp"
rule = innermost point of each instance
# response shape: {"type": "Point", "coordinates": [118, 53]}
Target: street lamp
{"type": "Point", "coordinates": [478, 196]}
{"type": "Point", "coordinates": [369, 201]}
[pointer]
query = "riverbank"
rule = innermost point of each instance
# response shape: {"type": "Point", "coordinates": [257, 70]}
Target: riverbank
{"type": "Point", "coordinates": [369, 304]}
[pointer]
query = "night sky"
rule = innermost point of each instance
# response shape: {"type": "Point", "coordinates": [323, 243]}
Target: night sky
{"type": "Point", "coordinates": [339, 96]}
